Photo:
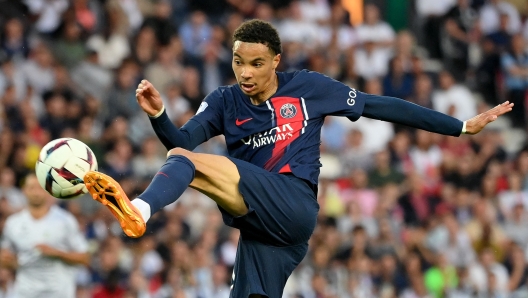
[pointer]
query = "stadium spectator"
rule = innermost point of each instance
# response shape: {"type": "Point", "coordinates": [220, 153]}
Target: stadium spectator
{"type": "Point", "coordinates": [515, 67]}
{"type": "Point", "coordinates": [45, 258]}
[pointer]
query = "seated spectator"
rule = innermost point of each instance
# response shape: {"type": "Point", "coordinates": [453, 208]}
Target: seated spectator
{"type": "Point", "coordinates": [355, 155]}
{"type": "Point", "coordinates": [514, 196]}
{"type": "Point", "coordinates": [456, 35]}
{"type": "Point", "coordinates": [14, 40]}
{"type": "Point", "coordinates": [454, 99]}
{"type": "Point", "coordinates": [398, 83]}
{"type": "Point", "coordinates": [501, 38]}
{"type": "Point", "coordinates": [441, 277]}
{"type": "Point", "coordinates": [383, 172]}
{"type": "Point", "coordinates": [146, 164]}
{"type": "Point", "coordinates": [15, 200]}
{"type": "Point", "coordinates": [479, 273]}
{"type": "Point", "coordinates": [515, 68]}
{"type": "Point", "coordinates": [490, 16]}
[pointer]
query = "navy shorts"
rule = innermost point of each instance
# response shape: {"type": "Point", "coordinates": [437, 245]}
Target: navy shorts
{"type": "Point", "coordinates": [274, 233]}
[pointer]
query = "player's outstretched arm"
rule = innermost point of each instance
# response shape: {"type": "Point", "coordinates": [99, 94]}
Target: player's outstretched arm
{"type": "Point", "coordinates": [477, 123]}
{"type": "Point", "coordinates": [188, 137]}
{"type": "Point", "coordinates": [399, 111]}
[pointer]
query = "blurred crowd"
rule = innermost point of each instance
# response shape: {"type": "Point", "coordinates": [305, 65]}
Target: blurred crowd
{"type": "Point", "coordinates": [404, 213]}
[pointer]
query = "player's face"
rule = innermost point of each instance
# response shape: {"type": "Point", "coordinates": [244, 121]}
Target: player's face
{"type": "Point", "coordinates": [35, 194]}
{"type": "Point", "coordinates": [254, 67]}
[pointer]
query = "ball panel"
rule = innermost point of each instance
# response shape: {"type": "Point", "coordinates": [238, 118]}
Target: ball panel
{"type": "Point", "coordinates": [78, 148]}
{"type": "Point", "coordinates": [91, 160]}
{"type": "Point", "coordinates": [42, 170]}
{"type": "Point", "coordinates": [58, 157]}
{"type": "Point", "coordinates": [65, 178]}
{"type": "Point", "coordinates": [73, 192]}
{"type": "Point", "coordinates": [56, 189]}
{"type": "Point", "coordinates": [76, 167]}
{"type": "Point", "coordinates": [51, 147]}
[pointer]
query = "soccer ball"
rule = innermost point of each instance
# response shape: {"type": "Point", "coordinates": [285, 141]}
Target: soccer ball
{"type": "Point", "coordinates": [62, 165]}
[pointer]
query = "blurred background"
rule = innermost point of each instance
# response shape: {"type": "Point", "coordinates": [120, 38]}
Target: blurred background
{"type": "Point", "coordinates": [404, 213]}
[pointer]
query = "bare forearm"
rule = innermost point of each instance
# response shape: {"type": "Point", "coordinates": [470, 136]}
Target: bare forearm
{"type": "Point", "coordinates": [74, 258]}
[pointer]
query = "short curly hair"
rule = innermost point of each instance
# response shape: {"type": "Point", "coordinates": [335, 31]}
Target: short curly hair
{"type": "Point", "coordinates": [257, 31]}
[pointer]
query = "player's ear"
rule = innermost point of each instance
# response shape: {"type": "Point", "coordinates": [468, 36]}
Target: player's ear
{"type": "Point", "coordinates": [276, 61]}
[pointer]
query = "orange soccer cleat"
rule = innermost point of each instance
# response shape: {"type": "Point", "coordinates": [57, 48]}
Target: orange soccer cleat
{"type": "Point", "coordinates": [108, 192]}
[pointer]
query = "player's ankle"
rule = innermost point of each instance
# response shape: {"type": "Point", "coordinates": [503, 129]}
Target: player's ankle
{"type": "Point", "coordinates": [143, 207]}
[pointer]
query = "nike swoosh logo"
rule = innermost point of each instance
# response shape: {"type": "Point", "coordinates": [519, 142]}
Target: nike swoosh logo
{"type": "Point", "coordinates": [240, 122]}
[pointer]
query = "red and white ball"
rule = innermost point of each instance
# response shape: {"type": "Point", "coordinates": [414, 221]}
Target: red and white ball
{"type": "Point", "coordinates": [62, 165]}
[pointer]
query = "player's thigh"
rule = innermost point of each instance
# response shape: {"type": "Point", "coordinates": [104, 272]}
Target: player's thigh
{"type": "Point", "coordinates": [217, 177]}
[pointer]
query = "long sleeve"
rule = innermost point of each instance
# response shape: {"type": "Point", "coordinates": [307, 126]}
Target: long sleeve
{"type": "Point", "coordinates": [187, 137]}
{"type": "Point", "coordinates": [399, 111]}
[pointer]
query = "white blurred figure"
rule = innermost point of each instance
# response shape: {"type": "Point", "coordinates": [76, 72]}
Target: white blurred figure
{"type": "Point", "coordinates": [376, 134]}
{"type": "Point", "coordinates": [8, 191]}
{"type": "Point", "coordinates": [51, 246]}
{"type": "Point", "coordinates": [369, 62]}
{"type": "Point", "coordinates": [147, 164]}
{"type": "Point", "coordinates": [426, 156]}
{"type": "Point", "coordinates": [454, 99]}
{"type": "Point", "coordinates": [478, 272]}
{"type": "Point", "coordinates": [337, 31]}
{"type": "Point", "coordinates": [376, 30]}
{"type": "Point", "coordinates": [131, 9]}
{"type": "Point", "coordinates": [490, 17]}
{"type": "Point", "coordinates": [229, 248]}
{"type": "Point", "coordinates": [220, 289]}
{"type": "Point", "coordinates": [514, 196]}
{"type": "Point", "coordinates": [315, 10]}
{"type": "Point", "coordinates": [48, 12]}
{"type": "Point", "coordinates": [296, 29]}
{"type": "Point", "coordinates": [38, 69]}
{"type": "Point", "coordinates": [150, 262]}
{"type": "Point", "coordinates": [112, 44]}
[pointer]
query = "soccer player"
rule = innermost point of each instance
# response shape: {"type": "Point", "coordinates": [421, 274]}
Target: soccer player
{"type": "Point", "coordinates": [42, 243]}
{"type": "Point", "coordinates": [267, 186]}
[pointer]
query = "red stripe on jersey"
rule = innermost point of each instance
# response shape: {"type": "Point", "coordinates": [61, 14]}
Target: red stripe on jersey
{"type": "Point", "coordinates": [290, 117]}
{"type": "Point", "coordinates": [285, 169]}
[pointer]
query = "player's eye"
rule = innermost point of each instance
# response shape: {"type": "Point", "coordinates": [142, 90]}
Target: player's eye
{"type": "Point", "coordinates": [237, 62]}
{"type": "Point", "coordinates": [258, 64]}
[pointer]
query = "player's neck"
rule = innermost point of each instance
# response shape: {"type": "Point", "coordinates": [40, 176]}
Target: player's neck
{"type": "Point", "coordinates": [38, 212]}
{"type": "Point", "coordinates": [269, 90]}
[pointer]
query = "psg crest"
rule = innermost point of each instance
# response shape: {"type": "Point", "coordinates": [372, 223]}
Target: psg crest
{"type": "Point", "coordinates": [288, 110]}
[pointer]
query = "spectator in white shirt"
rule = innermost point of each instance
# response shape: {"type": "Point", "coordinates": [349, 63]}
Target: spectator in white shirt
{"type": "Point", "coordinates": [48, 13]}
{"type": "Point", "coordinates": [375, 30]}
{"type": "Point", "coordinates": [454, 99]}
{"type": "Point", "coordinates": [490, 17]}
{"type": "Point", "coordinates": [478, 272]}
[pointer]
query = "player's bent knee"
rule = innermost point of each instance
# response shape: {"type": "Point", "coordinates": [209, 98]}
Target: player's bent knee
{"type": "Point", "coordinates": [179, 151]}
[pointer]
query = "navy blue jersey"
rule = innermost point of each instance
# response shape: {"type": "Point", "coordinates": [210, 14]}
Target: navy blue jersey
{"type": "Point", "coordinates": [281, 134]}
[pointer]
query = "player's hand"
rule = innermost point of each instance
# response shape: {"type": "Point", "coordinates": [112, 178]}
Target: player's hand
{"type": "Point", "coordinates": [477, 123]}
{"type": "Point", "coordinates": [149, 98]}
{"type": "Point", "coordinates": [48, 251]}
{"type": "Point", "coordinates": [8, 259]}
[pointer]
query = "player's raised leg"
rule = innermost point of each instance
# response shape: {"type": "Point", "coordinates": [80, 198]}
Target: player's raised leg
{"type": "Point", "coordinates": [214, 176]}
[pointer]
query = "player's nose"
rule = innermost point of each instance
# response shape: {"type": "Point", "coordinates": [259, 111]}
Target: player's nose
{"type": "Point", "coordinates": [246, 73]}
